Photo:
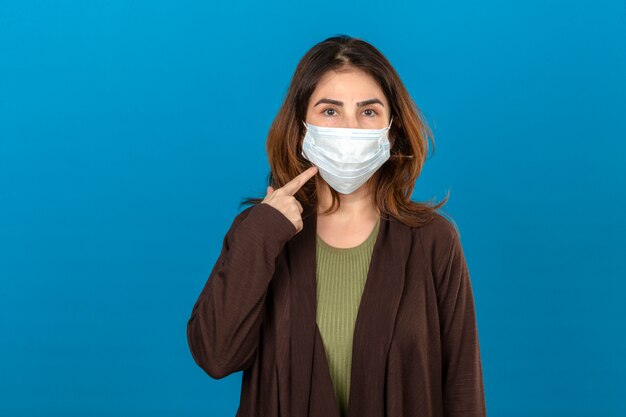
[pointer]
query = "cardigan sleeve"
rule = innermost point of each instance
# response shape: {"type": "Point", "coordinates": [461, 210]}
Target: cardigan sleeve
{"type": "Point", "coordinates": [463, 390]}
{"type": "Point", "coordinates": [224, 327]}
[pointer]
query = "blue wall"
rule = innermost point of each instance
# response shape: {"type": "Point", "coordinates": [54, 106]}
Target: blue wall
{"type": "Point", "coordinates": [129, 132]}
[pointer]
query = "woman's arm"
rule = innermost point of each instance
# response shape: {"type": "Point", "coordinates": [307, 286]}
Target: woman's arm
{"type": "Point", "coordinates": [224, 327]}
{"type": "Point", "coordinates": [463, 390]}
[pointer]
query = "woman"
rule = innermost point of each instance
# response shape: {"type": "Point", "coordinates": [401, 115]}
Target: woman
{"type": "Point", "coordinates": [335, 294]}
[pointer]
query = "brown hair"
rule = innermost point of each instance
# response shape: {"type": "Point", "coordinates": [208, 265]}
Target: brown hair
{"type": "Point", "coordinates": [392, 184]}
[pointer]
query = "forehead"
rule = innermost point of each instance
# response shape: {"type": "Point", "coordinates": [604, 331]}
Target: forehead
{"type": "Point", "coordinates": [352, 84]}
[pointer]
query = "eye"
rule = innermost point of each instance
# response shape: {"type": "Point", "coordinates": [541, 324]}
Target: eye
{"type": "Point", "coordinates": [329, 109]}
{"type": "Point", "coordinates": [371, 114]}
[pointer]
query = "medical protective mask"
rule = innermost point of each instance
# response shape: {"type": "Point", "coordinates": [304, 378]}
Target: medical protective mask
{"type": "Point", "coordinates": [346, 158]}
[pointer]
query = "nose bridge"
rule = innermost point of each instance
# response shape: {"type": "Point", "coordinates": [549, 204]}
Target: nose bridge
{"type": "Point", "coordinates": [352, 121]}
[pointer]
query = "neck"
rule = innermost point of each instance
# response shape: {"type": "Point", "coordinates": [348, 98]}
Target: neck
{"type": "Point", "coordinates": [355, 205]}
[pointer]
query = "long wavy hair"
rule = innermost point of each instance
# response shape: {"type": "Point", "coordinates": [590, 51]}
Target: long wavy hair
{"type": "Point", "coordinates": [392, 184]}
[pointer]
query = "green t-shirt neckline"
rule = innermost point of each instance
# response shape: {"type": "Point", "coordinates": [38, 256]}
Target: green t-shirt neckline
{"type": "Point", "coordinates": [361, 245]}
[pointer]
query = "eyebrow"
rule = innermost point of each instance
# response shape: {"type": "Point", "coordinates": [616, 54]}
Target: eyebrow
{"type": "Point", "coordinates": [359, 104]}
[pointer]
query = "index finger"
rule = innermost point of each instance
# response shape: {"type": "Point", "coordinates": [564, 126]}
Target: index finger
{"type": "Point", "coordinates": [294, 185]}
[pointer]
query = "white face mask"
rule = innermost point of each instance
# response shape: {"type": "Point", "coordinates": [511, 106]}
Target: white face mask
{"type": "Point", "coordinates": [346, 157]}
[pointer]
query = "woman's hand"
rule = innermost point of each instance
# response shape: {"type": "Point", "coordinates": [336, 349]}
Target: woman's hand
{"type": "Point", "coordinates": [283, 200]}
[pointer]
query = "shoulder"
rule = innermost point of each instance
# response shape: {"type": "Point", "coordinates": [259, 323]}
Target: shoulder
{"type": "Point", "coordinates": [439, 227]}
{"type": "Point", "coordinates": [241, 216]}
{"type": "Point", "coordinates": [437, 238]}
{"type": "Point", "coordinates": [265, 212]}
{"type": "Point", "coordinates": [238, 219]}
{"type": "Point", "coordinates": [263, 217]}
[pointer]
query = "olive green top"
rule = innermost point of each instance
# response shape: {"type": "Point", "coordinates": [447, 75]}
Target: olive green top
{"type": "Point", "coordinates": [341, 274]}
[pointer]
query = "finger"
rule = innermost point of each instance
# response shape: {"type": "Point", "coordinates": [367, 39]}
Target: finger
{"type": "Point", "coordinates": [295, 184]}
{"type": "Point", "coordinates": [300, 209]}
{"type": "Point", "coordinates": [299, 225]}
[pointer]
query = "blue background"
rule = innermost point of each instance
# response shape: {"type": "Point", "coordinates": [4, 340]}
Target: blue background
{"type": "Point", "coordinates": [130, 131]}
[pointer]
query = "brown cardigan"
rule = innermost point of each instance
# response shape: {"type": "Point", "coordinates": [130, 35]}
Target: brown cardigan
{"type": "Point", "coordinates": [415, 349]}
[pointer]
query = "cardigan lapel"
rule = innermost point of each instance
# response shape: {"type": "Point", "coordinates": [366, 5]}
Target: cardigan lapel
{"type": "Point", "coordinates": [302, 260]}
{"type": "Point", "coordinates": [376, 318]}
{"type": "Point", "coordinates": [311, 385]}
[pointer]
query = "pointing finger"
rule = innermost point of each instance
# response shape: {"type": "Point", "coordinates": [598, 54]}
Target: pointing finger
{"type": "Point", "coordinates": [295, 184]}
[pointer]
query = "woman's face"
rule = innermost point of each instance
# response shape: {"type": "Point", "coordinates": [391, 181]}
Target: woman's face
{"type": "Point", "coordinates": [348, 99]}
